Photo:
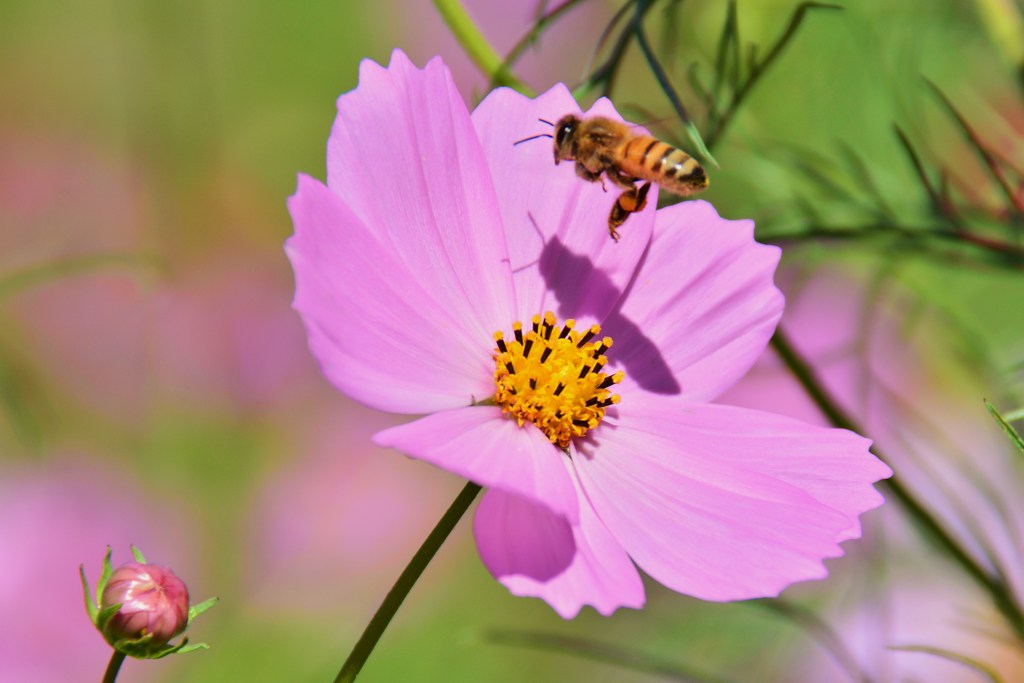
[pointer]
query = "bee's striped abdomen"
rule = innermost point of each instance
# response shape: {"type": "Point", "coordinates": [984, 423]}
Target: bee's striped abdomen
{"type": "Point", "coordinates": [673, 169]}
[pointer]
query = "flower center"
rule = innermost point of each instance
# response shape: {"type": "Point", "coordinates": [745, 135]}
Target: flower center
{"type": "Point", "coordinates": [552, 376]}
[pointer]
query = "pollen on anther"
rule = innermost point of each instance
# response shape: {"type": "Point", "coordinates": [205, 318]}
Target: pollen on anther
{"type": "Point", "coordinates": [588, 335]}
{"type": "Point", "coordinates": [562, 390]}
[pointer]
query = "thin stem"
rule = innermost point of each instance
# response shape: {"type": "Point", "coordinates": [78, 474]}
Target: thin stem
{"type": "Point", "coordinates": [531, 36]}
{"type": "Point", "coordinates": [758, 70]}
{"type": "Point", "coordinates": [939, 205]}
{"type": "Point", "coordinates": [998, 252]}
{"type": "Point", "coordinates": [987, 157]}
{"type": "Point", "coordinates": [361, 652]}
{"type": "Point", "coordinates": [32, 276]}
{"type": "Point", "coordinates": [476, 46]}
{"type": "Point", "coordinates": [604, 75]}
{"type": "Point", "coordinates": [113, 667]}
{"type": "Point", "coordinates": [1001, 594]}
{"type": "Point", "coordinates": [608, 653]}
{"type": "Point", "coordinates": [666, 83]}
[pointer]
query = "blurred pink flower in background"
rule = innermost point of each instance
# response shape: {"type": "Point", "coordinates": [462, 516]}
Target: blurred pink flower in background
{"type": "Point", "coordinates": [131, 332]}
{"type": "Point", "coordinates": [225, 337]}
{"type": "Point", "coordinates": [404, 277]}
{"type": "Point", "coordinates": [67, 199]}
{"type": "Point", "coordinates": [220, 337]}
{"type": "Point", "coordinates": [87, 336]}
{"type": "Point", "coordinates": [896, 369]}
{"type": "Point", "coordinates": [54, 516]}
{"type": "Point", "coordinates": [914, 602]}
{"type": "Point", "coordinates": [330, 525]}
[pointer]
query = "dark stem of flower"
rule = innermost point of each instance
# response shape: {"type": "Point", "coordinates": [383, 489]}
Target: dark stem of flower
{"type": "Point", "coordinates": [375, 629]}
{"type": "Point", "coordinates": [113, 667]}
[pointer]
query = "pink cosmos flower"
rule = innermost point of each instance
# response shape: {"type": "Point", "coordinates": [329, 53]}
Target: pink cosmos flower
{"type": "Point", "coordinates": [443, 271]}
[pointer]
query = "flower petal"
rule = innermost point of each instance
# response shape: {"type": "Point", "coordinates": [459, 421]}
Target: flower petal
{"type": "Point", "coordinates": [483, 445]}
{"type": "Point", "coordinates": [404, 156]}
{"type": "Point", "coordinates": [536, 554]}
{"type": "Point", "coordinates": [709, 501]}
{"type": "Point", "coordinates": [702, 307]}
{"type": "Point", "coordinates": [381, 338]}
{"type": "Point", "coordinates": [556, 222]}
{"type": "Point", "coordinates": [833, 466]}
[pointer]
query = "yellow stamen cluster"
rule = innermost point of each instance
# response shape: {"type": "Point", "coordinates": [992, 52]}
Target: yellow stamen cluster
{"type": "Point", "coordinates": [552, 376]}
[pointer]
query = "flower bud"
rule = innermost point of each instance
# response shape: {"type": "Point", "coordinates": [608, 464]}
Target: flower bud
{"type": "Point", "coordinates": [154, 602]}
{"type": "Point", "coordinates": [141, 607]}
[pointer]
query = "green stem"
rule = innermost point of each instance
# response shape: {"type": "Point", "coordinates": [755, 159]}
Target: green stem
{"type": "Point", "coordinates": [666, 84]}
{"type": "Point", "coordinates": [605, 74]}
{"type": "Point", "coordinates": [476, 46]}
{"type": "Point", "coordinates": [113, 667]}
{"type": "Point", "coordinates": [361, 652]}
{"type": "Point", "coordinates": [717, 127]}
{"type": "Point", "coordinates": [1001, 594]}
{"type": "Point", "coordinates": [15, 282]}
{"type": "Point", "coordinates": [532, 35]}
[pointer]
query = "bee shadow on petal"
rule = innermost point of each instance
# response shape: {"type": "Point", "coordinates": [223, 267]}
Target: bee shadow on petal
{"type": "Point", "coordinates": [581, 290]}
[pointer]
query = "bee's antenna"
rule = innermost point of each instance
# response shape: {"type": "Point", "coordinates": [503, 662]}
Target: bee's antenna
{"type": "Point", "coordinates": [533, 137]}
{"type": "Point", "coordinates": [547, 122]}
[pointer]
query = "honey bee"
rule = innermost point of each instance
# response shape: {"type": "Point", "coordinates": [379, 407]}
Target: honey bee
{"type": "Point", "coordinates": [601, 145]}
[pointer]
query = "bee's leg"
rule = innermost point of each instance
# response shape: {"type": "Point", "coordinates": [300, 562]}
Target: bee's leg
{"type": "Point", "coordinates": [621, 179]}
{"type": "Point", "coordinates": [641, 197]}
{"type": "Point", "coordinates": [591, 176]}
{"type": "Point", "coordinates": [631, 201]}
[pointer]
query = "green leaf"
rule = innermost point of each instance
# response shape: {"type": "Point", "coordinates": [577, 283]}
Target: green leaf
{"type": "Point", "coordinates": [730, 37]}
{"type": "Point", "coordinates": [196, 610]}
{"type": "Point", "coordinates": [192, 648]}
{"type": "Point", "coordinates": [969, 662]}
{"type": "Point", "coordinates": [105, 573]}
{"type": "Point", "coordinates": [139, 648]}
{"type": "Point", "coordinates": [698, 142]}
{"type": "Point", "coordinates": [1011, 433]}
{"type": "Point", "coordinates": [137, 554]}
{"type": "Point", "coordinates": [987, 157]}
{"type": "Point", "coordinates": [666, 86]}
{"type": "Point", "coordinates": [168, 650]}
{"type": "Point", "coordinates": [90, 603]}
{"type": "Point", "coordinates": [106, 614]}
{"type": "Point", "coordinates": [181, 648]}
